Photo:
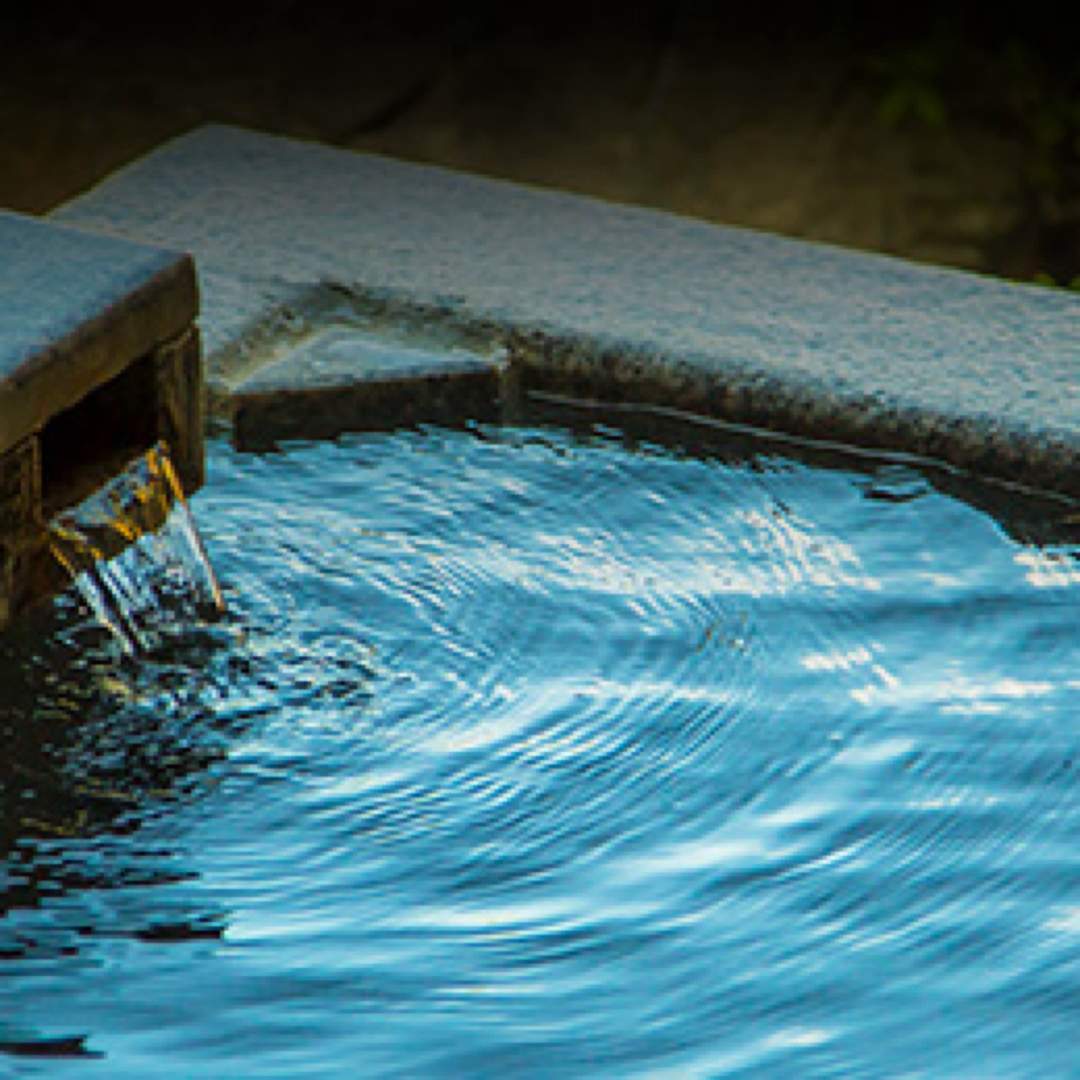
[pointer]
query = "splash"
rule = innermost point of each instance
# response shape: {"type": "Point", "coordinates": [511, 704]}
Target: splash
{"type": "Point", "coordinates": [135, 555]}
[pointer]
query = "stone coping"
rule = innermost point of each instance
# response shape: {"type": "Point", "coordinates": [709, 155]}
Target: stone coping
{"type": "Point", "coordinates": [344, 377]}
{"type": "Point", "coordinates": [99, 361]}
{"type": "Point", "coordinates": [75, 310]}
{"type": "Point", "coordinates": [592, 298]}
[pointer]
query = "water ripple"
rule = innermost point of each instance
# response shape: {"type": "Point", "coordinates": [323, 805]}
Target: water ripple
{"type": "Point", "coordinates": [525, 753]}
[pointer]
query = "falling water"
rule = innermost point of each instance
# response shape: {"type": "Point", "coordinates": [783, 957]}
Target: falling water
{"type": "Point", "coordinates": [135, 555]}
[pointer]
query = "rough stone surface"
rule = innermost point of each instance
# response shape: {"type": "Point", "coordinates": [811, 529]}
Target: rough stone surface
{"type": "Point", "coordinates": [20, 496]}
{"type": "Point", "coordinates": [341, 356]}
{"type": "Point", "coordinates": [99, 358]}
{"type": "Point", "coordinates": [179, 395]}
{"type": "Point", "coordinates": [589, 295]}
{"type": "Point", "coordinates": [344, 377]}
{"type": "Point", "coordinates": [75, 309]}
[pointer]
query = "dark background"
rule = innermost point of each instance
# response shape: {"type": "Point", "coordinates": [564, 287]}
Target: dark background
{"type": "Point", "coordinates": [947, 134]}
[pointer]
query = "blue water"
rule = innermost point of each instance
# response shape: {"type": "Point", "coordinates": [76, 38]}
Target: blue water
{"type": "Point", "coordinates": [526, 752]}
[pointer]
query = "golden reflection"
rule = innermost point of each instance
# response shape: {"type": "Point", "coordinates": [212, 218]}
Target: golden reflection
{"type": "Point", "coordinates": [1048, 569]}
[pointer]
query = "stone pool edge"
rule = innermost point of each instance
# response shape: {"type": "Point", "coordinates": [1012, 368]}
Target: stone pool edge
{"type": "Point", "coordinates": [356, 270]}
{"type": "Point", "coordinates": [603, 370]}
{"type": "Point", "coordinates": [99, 360]}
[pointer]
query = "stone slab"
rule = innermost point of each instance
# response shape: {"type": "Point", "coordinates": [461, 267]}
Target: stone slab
{"type": "Point", "coordinates": [343, 377]}
{"type": "Point", "coordinates": [622, 301]}
{"type": "Point", "coordinates": [75, 309]}
{"type": "Point", "coordinates": [99, 359]}
{"type": "Point", "coordinates": [340, 356]}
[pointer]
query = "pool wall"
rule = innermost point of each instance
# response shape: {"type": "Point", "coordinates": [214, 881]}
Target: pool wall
{"type": "Point", "coordinates": [534, 289]}
{"type": "Point", "coordinates": [99, 359]}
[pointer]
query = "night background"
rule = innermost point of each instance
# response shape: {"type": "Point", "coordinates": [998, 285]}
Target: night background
{"type": "Point", "coordinates": [943, 134]}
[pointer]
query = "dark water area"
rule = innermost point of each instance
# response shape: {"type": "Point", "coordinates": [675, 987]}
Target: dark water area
{"type": "Point", "coordinates": [538, 752]}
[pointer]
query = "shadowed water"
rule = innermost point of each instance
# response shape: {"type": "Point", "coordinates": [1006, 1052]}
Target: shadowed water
{"type": "Point", "coordinates": [531, 753]}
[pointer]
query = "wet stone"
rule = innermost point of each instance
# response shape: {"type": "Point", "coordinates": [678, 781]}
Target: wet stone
{"type": "Point", "coordinates": [345, 379]}
{"type": "Point", "coordinates": [616, 301]}
{"type": "Point", "coordinates": [76, 308]}
{"type": "Point", "coordinates": [99, 359]}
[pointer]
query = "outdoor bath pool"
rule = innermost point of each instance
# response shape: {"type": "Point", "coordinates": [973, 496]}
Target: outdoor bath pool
{"type": "Point", "coordinates": [555, 750]}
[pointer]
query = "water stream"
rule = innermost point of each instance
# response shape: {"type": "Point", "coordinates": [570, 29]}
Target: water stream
{"type": "Point", "coordinates": [162, 579]}
{"type": "Point", "coordinates": [555, 751]}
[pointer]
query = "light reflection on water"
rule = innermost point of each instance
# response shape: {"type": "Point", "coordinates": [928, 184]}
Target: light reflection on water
{"type": "Point", "coordinates": [525, 754]}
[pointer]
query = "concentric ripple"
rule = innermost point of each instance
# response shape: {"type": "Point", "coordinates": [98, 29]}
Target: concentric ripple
{"type": "Point", "coordinates": [527, 753]}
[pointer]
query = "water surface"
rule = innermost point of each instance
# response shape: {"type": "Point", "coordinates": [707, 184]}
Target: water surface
{"type": "Point", "coordinates": [531, 753]}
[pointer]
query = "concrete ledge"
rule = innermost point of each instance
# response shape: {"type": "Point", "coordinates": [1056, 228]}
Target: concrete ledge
{"type": "Point", "coordinates": [75, 310]}
{"type": "Point", "coordinates": [593, 298]}
{"type": "Point", "coordinates": [99, 360]}
{"type": "Point", "coordinates": [344, 378]}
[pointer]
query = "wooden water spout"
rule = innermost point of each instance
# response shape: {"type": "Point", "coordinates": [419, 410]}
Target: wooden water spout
{"type": "Point", "coordinates": [99, 361]}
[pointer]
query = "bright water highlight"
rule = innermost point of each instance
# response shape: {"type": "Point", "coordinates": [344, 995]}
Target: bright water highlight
{"type": "Point", "coordinates": [162, 580]}
{"type": "Point", "coordinates": [526, 753]}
